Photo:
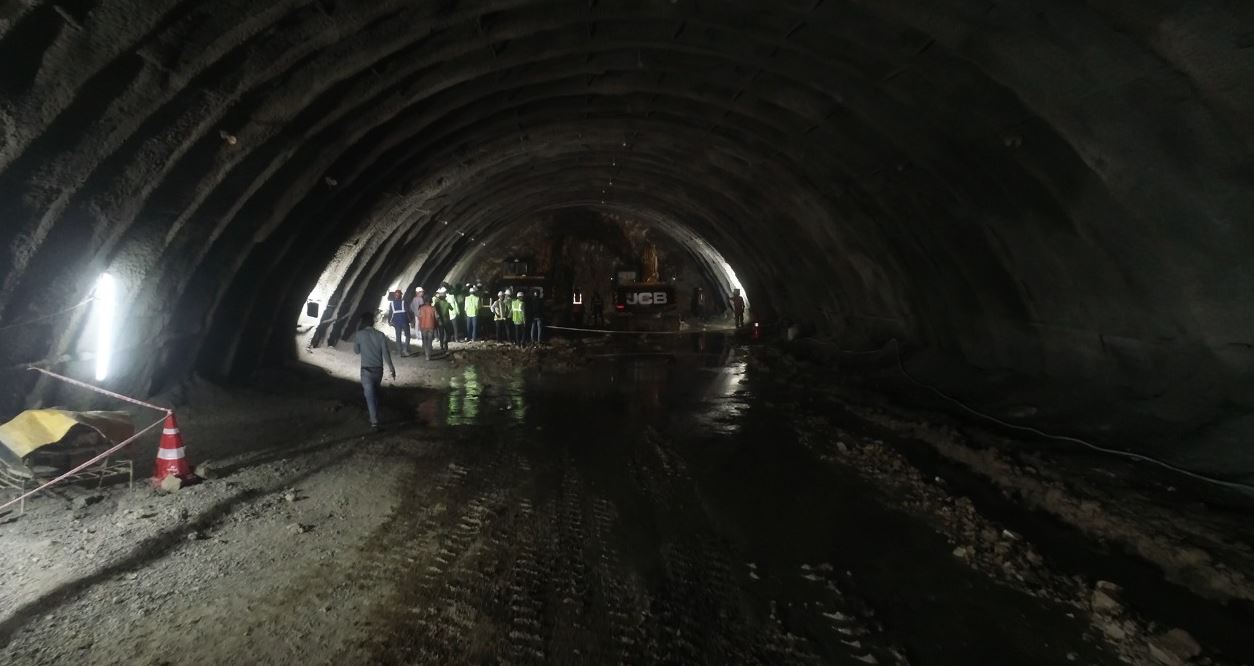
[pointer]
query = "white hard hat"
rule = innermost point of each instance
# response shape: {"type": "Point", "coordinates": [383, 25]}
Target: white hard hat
{"type": "Point", "coordinates": [500, 293]}
{"type": "Point", "coordinates": [520, 293]}
{"type": "Point", "coordinates": [441, 290]}
{"type": "Point", "coordinates": [418, 289]}
{"type": "Point", "coordinates": [472, 290]}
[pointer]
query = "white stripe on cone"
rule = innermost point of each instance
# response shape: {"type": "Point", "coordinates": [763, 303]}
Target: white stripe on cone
{"type": "Point", "coordinates": [169, 431]}
{"type": "Point", "coordinates": [170, 454]}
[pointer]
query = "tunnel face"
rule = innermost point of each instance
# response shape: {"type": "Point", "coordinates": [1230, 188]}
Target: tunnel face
{"type": "Point", "coordinates": [1058, 190]}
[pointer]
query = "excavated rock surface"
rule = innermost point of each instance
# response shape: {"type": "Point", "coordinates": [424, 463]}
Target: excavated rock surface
{"type": "Point", "coordinates": [1061, 190]}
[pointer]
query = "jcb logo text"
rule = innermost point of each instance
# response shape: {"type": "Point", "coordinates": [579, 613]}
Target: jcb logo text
{"type": "Point", "coordinates": [646, 298]}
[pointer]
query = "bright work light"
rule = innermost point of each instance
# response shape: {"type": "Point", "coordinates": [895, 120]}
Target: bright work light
{"type": "Point", "coordinates": [106, 302]}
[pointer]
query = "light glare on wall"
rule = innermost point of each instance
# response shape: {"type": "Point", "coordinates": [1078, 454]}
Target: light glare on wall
{"type": "Point", "coordinates": [106, 304]}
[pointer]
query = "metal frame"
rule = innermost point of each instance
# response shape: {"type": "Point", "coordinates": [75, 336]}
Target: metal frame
{"type": "Point", "coordinates": [10, 480]}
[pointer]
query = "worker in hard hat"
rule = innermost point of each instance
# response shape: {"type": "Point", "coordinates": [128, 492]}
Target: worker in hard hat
{"type": "Point", "coordinates": [399, 318]}
{"type": "Point", "coordinates": [507, 311]}
{"type": "Point", "coordinates": [442, 309]}
{"type": "Point", "coordinates": [454, 314]}
{"type": "Point", "coordinates": [472, 314]}
{"type": "Point", "coordinates": [738, 307]}
{"type": "Point", "coordinates": [498, 313]}
{"type": "Point", "coordinates": [518, 318]}
{"type": "Point", "coordinates": [372, 346]}
{"type": "Point", "coordinates": [415, 303]}
{"type": "Point", "coordinates": [428, 322]}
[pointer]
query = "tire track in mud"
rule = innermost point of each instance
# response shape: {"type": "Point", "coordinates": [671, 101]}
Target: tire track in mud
{"type": "Point", "coordinates": [696, 610]}
{"type": "Point", "coordinates": [700, 607]}
{"type": "Point", "coordinates": [434, 559]}
{"type": "Point", "coordinates": [618, 595]}
{"type": "Point", "coordinates": [569, 590]}
{"type": "Point", "coordinates": [503, 562]}
{"type": "Point", "coordinates": [522, 595]}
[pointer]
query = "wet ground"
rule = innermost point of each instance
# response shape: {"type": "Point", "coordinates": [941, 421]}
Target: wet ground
{"type": "Point", "coordinates": [670, 504]}
{"type": "Point", "coordinates": [652, 509]}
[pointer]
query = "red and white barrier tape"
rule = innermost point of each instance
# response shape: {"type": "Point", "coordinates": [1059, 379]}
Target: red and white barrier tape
{"type": "Point", "coordinates": [618, 332]}
{"type": "Point", "coordinates": [83, 466]}
{"type": "Point", "coordinates": [101, 391]}
{"type": "Point", "coordinates": [96, 389]}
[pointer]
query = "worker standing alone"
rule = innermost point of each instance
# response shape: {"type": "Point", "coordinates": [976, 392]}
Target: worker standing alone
{"type": "Point", "coordinates": [372, 345]}
{"type": "Point", "coordinates": [738, 307]}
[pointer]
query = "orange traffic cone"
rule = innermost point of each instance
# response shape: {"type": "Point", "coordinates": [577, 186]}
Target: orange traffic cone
{"type": "Point", "coordinates": [170, 458]}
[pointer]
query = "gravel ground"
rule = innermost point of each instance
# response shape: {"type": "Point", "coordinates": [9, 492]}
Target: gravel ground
{"type": "Point", "coordinates": [527, 507]}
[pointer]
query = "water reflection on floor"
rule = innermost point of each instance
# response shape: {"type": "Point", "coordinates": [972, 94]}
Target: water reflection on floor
{"type": "Point", "coordinates": [701, 376]}
{"type": "Point", "coordinates": [680, 460]}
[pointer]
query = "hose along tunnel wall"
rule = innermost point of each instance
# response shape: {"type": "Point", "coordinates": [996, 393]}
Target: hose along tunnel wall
{"type": "Point", "coordinates": [1060, 194]}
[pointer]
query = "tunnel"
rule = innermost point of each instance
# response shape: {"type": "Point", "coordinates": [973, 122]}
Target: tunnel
{"type": "Point", "coordinates": [990, 231]}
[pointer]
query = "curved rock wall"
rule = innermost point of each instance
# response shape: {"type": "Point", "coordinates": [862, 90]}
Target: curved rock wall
{"type": "Point", "coordinates": [1059, 189]}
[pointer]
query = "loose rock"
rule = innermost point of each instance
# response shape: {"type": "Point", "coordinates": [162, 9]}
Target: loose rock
{"type": "Point", "coordinates": [1174, 647]}
{"type": "Point", "coordinates": [1102, 602]}
{"type": "Point", "coordinates": [86, 501]}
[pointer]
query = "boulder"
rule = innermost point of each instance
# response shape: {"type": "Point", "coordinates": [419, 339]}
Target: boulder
{"type": "Point", "coordinates": [1102, 602]}
{"type": "Point", "coordinates": [1174, 648]}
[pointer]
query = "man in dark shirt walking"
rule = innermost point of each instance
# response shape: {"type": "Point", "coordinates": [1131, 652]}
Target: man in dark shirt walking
{"type": "Point", "coordinates": [372, 345]}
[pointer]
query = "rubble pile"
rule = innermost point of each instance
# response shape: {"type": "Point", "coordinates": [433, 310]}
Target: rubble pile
{"type": "Point", "coordinates": [557, 355]}
{"type": "Point", "coordinates": [996, 551]}
{"type": "Point", "coordinates": [1136, 526]}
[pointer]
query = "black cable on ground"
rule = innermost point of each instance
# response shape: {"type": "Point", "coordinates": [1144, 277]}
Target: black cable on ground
{"type": "Point", "coordinates": [896, 344]}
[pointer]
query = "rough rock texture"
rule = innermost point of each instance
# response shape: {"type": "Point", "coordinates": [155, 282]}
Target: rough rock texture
{"type": "Point", "coordinates": [1061, 190]}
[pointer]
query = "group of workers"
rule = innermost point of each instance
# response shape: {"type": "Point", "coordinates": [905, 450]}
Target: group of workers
{"type": "Point", "coordinates": [454, 316]}
{"type": "Point", "coordinates": [519, 319]}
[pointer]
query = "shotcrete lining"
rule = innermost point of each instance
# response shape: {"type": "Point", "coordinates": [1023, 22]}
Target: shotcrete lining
{"type": "Point", "coordinates": [967, 173]}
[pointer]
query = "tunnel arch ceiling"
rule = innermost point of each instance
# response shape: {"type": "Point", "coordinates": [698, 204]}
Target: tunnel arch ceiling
{"type": "Point", "coordinates": [1055, 190]}
{"type": "Point", "coordinates": [581, 221]}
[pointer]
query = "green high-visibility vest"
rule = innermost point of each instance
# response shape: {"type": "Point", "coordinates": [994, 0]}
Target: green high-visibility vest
{"type": "Point", "coordinates": [516, 309]}
{"type": "Point", "coordinates": [472, 306]}
{"type": "Point", "coordinates": [452, 307]}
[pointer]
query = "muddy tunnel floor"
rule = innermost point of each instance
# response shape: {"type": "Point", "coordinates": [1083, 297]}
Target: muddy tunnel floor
{"type": "Point", "coordinates": [681, 506]}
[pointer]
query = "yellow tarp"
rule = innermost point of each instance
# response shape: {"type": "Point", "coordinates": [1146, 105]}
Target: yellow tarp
{"type": "Point", "coordinates": [36, 428]}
